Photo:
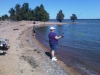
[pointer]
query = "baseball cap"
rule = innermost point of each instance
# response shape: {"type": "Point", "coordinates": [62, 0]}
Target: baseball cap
{"type": "Point", "coordinates": [52, 28]}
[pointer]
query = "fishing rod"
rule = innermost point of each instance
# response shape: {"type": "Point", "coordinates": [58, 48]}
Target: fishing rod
{"type": "Point", "coordinates": [66, 30]}
{"type": "Point", "coordinates": [79, 14]}
{"type": "Point", "coordinates": [69, 26]}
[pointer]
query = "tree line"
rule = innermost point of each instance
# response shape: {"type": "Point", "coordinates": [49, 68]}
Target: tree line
{"type": "Point", "coordinates": [39, 13]}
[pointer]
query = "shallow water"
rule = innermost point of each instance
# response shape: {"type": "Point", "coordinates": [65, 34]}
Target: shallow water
{"type": "Point", "coordinates": [80, 47]}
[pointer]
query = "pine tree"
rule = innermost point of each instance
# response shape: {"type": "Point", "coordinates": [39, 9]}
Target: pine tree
{"type": "Point", "coordinates": [12, 14]}
{"type": "Point", "coordinates": [17, 12]}
{"type": "Point", "coordinates": [25, 13]}
{"type": "Point", "coordinates": [41, 14]}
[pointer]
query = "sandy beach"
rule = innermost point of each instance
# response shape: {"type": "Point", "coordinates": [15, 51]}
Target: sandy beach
{"type": "Point", "coordinates": [26, 55]}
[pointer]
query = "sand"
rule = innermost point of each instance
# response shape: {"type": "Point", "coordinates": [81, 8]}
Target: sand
{"type": "Point", "coordinates": [26, 56]}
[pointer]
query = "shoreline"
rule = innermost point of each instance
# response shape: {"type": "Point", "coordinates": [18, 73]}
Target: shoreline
{"type": "Point", "coordinates": [27, 52]}
{"type": "Point", "coordinates": [66, 68]}
{"type": "Point", "coordinates": [61, 63]}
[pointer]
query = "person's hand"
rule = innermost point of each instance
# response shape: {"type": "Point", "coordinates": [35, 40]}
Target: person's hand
{"type": "Point", "coordinates": [62, 36]}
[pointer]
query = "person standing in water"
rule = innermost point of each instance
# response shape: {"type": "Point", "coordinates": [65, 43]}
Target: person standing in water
{"type": "Point", "coordinates": [53, 42]}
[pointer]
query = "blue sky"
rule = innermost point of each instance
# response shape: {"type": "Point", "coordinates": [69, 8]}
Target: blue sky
{"type": "Point", "coordinates": [89, 9]}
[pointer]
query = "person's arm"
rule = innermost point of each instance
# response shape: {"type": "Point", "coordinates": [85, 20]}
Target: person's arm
{"type": "Point", "coordinates": [58, 37]}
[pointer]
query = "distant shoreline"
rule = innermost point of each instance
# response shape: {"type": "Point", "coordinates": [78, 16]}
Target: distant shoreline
{"type": "Point", "coordinates": [77, 19]}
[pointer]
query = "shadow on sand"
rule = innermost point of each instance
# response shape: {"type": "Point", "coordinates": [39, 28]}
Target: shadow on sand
{"type": "Point", "coordinates": [48, 54]}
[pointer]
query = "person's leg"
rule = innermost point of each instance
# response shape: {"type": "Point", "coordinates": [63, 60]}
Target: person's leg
{"type": "Point", "coordinates": [53, 48]}
{"type": "Point", "coordinates": [52, 53]}
{"type": "Point", "coordinates": [34, 34]}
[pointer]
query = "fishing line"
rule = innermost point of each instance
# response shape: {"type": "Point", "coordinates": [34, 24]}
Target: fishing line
{"type": "Point", "coordinates": [79, 14]}
{"type": "Point", "coordinates": [66, 30]}
{"type": "Point", "coordinates": [69, 26]}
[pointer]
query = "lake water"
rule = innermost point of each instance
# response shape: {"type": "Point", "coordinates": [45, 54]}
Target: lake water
{"type": "Point", "coordinates": [80, 47]}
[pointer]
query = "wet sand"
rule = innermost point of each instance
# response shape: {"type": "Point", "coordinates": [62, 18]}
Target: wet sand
{"type": "Point", "coordinates": [26, 54]}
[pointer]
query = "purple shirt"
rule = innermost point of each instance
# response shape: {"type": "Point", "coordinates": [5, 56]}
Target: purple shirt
{"type": "Point", "coordinates": [51, 37]}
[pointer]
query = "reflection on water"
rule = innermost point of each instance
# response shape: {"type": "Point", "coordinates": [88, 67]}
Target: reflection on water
{"type": "Point", "coordinates": [80, 47]}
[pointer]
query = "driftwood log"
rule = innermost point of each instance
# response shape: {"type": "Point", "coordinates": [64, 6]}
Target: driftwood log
{"type": "Point", "coordinates": [16, 29]}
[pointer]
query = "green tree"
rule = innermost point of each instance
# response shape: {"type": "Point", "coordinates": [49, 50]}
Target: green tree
{"type": "Point", "coordinates": [41, 14]}
{"type": "Point", "coordinates": [0, 18]}
{"type": "Point", "coordinates": [25, 13]}
{"type": "Point", "coordinates": [60, 16]}
{"type": "Point", "coordinates": [44, 15]}
{"type": "Point", "coordinates": [5, 17]}
{"type": "Point", "coordinates": [12, 14]}
{"type": "Point", "coordinates": [25, 10]}
{"type": "Point", "coordinates": [18, 12]}
{"type": "Point", "coordinates": [36, 12]}
{"type": "Point", "coordinates": [31, 15]}
{"type": "Point", "coordinates": [73, 17]}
